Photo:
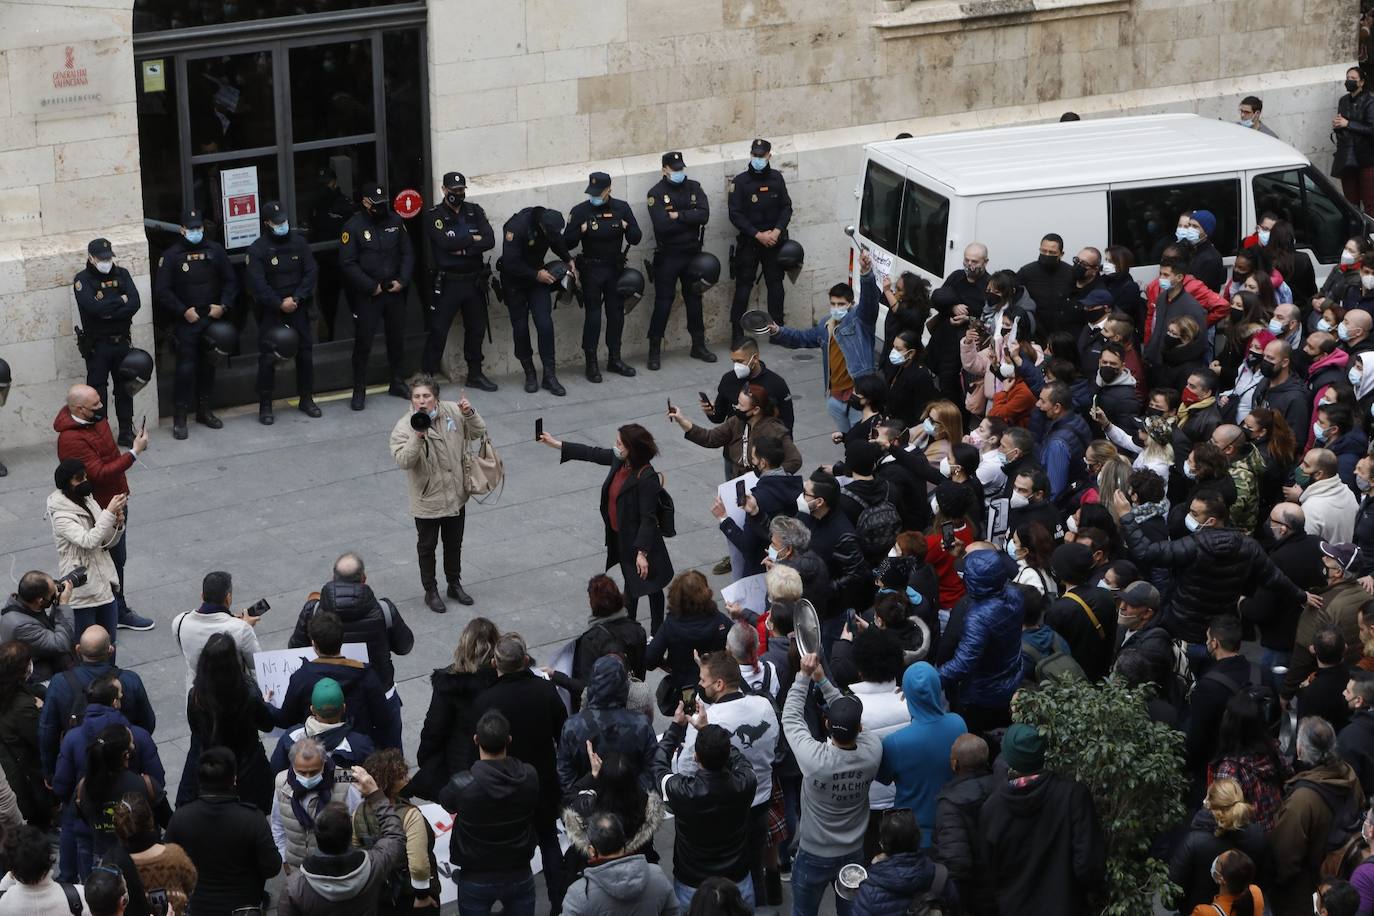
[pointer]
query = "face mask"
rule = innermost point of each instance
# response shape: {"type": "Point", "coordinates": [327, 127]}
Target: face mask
{"type": "Point", "coordinates": [1080, 272]}
{"type": "Point", "coordinates": [678, 177]}
{"type": "Point", "coordinates": [454, 198]}
{"type": "Point", "coordinates": [1189, 396]}
{"type": "Point", "coordinates": [896, 357]}
{"type": "Point", "coordinates": [1018, 500]}
{"type": "Point", "coordinates": [104, 267]}
{"type": "Point", "coordinates": [1354, 376]}
{"type": "Point", "coordinates": [741, 369]}
{"type": "Point", "coordinates": [854, 403]}
{"type": "Point", "coordinates": [1361, 484]}
{"type": "Point", "coordinates": [944, 466]}
{"type": "Point", "coordinates": [82, 490]}
{"type": "Point", "coordinates": [1187, 234]}
{"type": "Point", "coordinates": [1001, 458]}
{"type": "Point", "coordinates": [1191, 523]}
{"type": "Point", "coordinates": [1323, 325]}
{"type": "Point", "coordinates": [1343, 332]}
{"type": "Point", "coordinates": [837, 314]}
{"type": "Point", "coordinates": [1268, 369]}
{"type": "Point", "coordinates": [309, 782]}
{"type": "Point", "coordinates": [803, 506]}
{"type": "Point", "coordinates": [596, 201]}
{"type": "Point", "coordinates": [1165, 284]}
{"type": "Point", "coordinates": [758, 164]}
{"type": "Point", "coordinates": [972, 272]}
{"type": "Point", "coordinates": [1006, 370]}
{"type": "Point", "coordinates": [894, 552]}
{"type": "Point", "coordinates": [929, 426]}
{"type": "Point", "coordinates": [1301, 477]}
{"type": "Point", "coordinates": [1072, 524]}
{"type": "Point", "coordinates": [1367, 281]}
{"type": "Point", "coordinates": [1048, 260]}
{"type": "Point", "coordinates": [195, 236]}
{"type": "Point", "coordinates": [772, 553]}
{"type": "Point", "coordinates": [1247, 122]}
{"type": "Point", "coordinates": [1010, 548]}
{"type": "Point", "coordinates": [1347, 258]}
{"type": "Point", "coordinates": [281, 229]}
{"type": "Point", "coordinates": [1275, 327]}
{"type": "Point", "coordinates": [1108, 269]}
{"type": "Point", "coordinates": [1188, 470]}
{"type": "Point", "coordinates": [1109, 374]}
{"type": "Point", "coordinates": [1319, 431]}
{"type": "Point", "coordinates": [1351, 86]}
{"type": "Point", "coordinates": [618, 452]}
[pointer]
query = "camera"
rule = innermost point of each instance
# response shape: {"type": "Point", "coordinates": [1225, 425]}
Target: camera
{"type": "Point", "coordinates": [420, 421]}
{"type": "Point", "coordinates": [77, 577]}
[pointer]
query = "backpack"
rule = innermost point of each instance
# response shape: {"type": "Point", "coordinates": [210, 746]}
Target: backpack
{"type": "Point", "coordinates": [1057, 666]}
{"type": "Point", "coordinates": [79, 699]}
{"type": "Point", "coordinates": [878, 523]}
{"type": "Point", "coordinates": [1266, 700]}
{"type": "Point", "coordinates": [1181, 677]}
{"type": "Point", "coordinates": [1341, 851]}
{"type": "Point", "coordinates": [666, 513]}
{"type": "Point", "coordinates": [73, 898]}
{"type": "Point", "coordinates": [932, 902]}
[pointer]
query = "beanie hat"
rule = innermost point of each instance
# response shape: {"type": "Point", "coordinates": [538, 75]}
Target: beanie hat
{"type": "Point", "coordinates": [1024, 749]}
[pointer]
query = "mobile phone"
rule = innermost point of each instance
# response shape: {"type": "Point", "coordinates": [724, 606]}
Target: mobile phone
{"type": "Point", "coordinates": [947, 535]}
{"type": "Point", "coordinates": [538, 429]}
{"type": "Point", "coordinates": [144, 424]}
{"type": "Point", "coordinates": [704, 398]}
{"type": "Point", "coordinates": [689, 700]}
{"type": "Point", "coordinates": [670, 405]}
{"type": "Point", "coordinates": [740, 493]}
{"type": "Point", "coordinates": [259, 608]}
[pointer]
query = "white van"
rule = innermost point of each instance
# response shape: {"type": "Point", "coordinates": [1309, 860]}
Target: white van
{"type": "Point", "coordinates": [1120, 181]}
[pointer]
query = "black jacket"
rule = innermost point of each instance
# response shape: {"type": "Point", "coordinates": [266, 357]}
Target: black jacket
{"type": "Point", "coordinates": [908, 494]}
{"type": "Point", "coordinates": [815, 575]}
{"type": "Point", "coordinates": [1212, 568]}
{"type": "Point", "coordinates": [1090, 644]}
{"type": "Point", "coordinates": [1155, 644]}
{"type": "Point", "coordinates": [1355, 143]}
{"type": "Point", "coordinates": [194, 276]}
{"type": "Point", "coordinates": [1207, 265]}
{"type": "Point", "coordinates": [1290, 398]}
{"type": "Point", "coordinates": [1364, 535]}
{"type": "Point", "coordinates": [1042, 846]}
{"type": "Point", "coordinates": [1355, 744]}
{"type": "Point", "coordinates": [1167, 310]}
{"type": "Point", "coordinates": [834, 541]}
{"type": "Point", "coordinates": [680, 638]}
{"type": "Point", "coordinates": [910, 387]}
{"type": "Point", "coordinates": [602, 231]}
{"type": "Point", "coordinates": [373, 251]}
{"type": "Point", "coordinates": [759, 201]}
{"type": "Point", "coordinates": [1298, 556]}
{"type": "Point", "coordinates": [446, 746]}
{"type": "Point", "coordinates": [366, 619]}
{"type": "Point", "coordinates": [494, 806]}
{"type": "Point", "coordinates": [1206, 706]}
{"type": "Point", "coordinates": [956, 846]}
{"type": "Point", "coordinates": [1047, 286]}
{"type": "Point", "coordinates": [1191, 866]}
{"type": "Point", "coordinates": [231, 846]}
{"type": "Point", "coordinates": [1324, 696]}
{"type": "Point", "coordinates": [693, 210]}
{"type": "Point", "coordinates": [524, 252]}
{"type": "Point", "coordinates": [276, 267]}
{"type": "Point", "coordinates": [601, 635]}
{"type": "Point", "coordinates": [536, 714]}
{"type": "Point", "coordinates": [108, 302]}
{"type": "Point", "coordinates": [458, 238]}
{"type": "Point", "coordinates": [711, 811]}
{"type": "Point", "coordinates": [727, 395]}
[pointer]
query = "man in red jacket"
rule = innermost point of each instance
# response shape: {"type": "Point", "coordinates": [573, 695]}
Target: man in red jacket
{"type": "Point", "coordinates": [84, 433]}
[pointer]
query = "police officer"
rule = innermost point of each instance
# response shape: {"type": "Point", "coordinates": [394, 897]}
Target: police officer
{"type": "Point", "coordinates": [602, 225]}
{"type": "Point", "coordinates": [281, 274]}
{"type": "Point", "coordinates": [377, 260]}
{"type": "Point", "coordinates": [459, 235]}
{"type": "Point", "coordinates": [108, 300]}
{"type": "Point", "coordinates": [195, 284]}
{"type": "Point", "coordinates": [760, 208]}
{"type": "Point", "coordinates": [529, 288]}
{"type": "Point", "coordinates": [680, 211]}
{"type": "Point", "coordinates": [330, 208]}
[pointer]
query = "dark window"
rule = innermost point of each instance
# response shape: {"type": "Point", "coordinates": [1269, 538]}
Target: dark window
{"type": "Point", "coordinates": [331, 91]}
{"type": "Point", "coordinates": [1321, 218]}
{"type": "Point", "coordinates": [881, 210]}
{"type": "Point", "coordinates": [925, 224]}
{"type": "Point", "coordinates": [1144, 219]}
{"type": "Point", "coordinates": [231, 102]}
{"type": "Point", "coordinates": [164, 15]}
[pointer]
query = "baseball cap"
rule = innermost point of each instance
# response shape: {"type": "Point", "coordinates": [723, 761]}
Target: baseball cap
{"type": "Point", "coordinates": [273, 212]}
{"type": "Point", "coordinates": [455, 180]}
{"type": "Point", "coordinates": [327, 698]}
{"type": "Point", "coordinates": [1344, 554]}
{"type": "Point", "coordinates": [1097, 297]}
{"type": "Point", "coordinates": [192, 218]}
{"type": "Point", "coordinates": [760, 147]}
{"type": "Point", "coordinates": [100, 248]}
{"type": "Point", "coordinates": [674, 161]}
{"type": "Point", "coordinates": [1140, 594]}
{"type": "Point", "coordinates": [597, 181]}
{"type": "Point", "coordinates": [375, 192]}
{"type": "Point", "coordinates": [843, 715]}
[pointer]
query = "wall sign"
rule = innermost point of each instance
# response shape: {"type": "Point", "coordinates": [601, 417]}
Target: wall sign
{"type": "Point", "coordinates": [239, 190]}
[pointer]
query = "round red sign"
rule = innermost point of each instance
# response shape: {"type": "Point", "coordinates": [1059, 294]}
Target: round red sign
{"type": "Point", "coordinates": [408, 203]}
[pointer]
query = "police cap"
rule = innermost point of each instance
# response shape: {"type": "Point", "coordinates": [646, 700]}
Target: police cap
{"type": "Point", "coordinates": [674, 161]}
{"type": "Point", "coordinates": [455, 180]}
{"type": "Point", "coordinates": [100, 249]}
{"type": "Point", "coordinates": [375, 191]}
{"type": "Point", "coordinates": [192, 218]}
{"type": "Point", "coordinates": [597, 182]}
{"type": "Point", "coordinates": [760, 147]}
{"type": "Point", "coordinates": [273, 212]}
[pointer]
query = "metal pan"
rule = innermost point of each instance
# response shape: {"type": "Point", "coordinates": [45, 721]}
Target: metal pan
{"type": "Point", "coordinates": [755, 321]}
{"type": "Point", "coordinates": [807, 625]}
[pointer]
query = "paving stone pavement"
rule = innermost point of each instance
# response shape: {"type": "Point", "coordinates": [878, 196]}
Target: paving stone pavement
{"type": "Point", "coordinates": [274, 506]}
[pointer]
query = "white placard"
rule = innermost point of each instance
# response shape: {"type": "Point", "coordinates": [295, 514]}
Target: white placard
{"type": "Point", "coordinates": [275, 666]}
{"type": "Point", "coordinates": [727, 496]}
{"type": "Point", "coordinates": [749, 592]}
{"type": "Point", "coordinates": [882, 263]}
{"type": "Point", "coordinates": [239, 192]}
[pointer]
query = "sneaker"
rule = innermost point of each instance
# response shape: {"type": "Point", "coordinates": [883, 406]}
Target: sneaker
{"type": "Point", "coordinates": [131, 621]}
{"type": "Point", "coordinates": [721, 568]}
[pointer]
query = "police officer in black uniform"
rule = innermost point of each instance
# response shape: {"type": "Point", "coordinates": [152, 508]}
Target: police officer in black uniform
{"type": "Point", "coordinates": [194, 285]}
{"type": "Point", "coordinates": [459, 235]}
{"type": "Point", "coordinates": [680, 211]}
{"type": "Point", "coordinates": [529, 288]}
{"type": "Point", "coordinates": [602, 225]}
{"type": "Point", "coordinates": [281, 274]}
{"type": "Point", "coordinates": [330, 208]}
{"type": "Point", "coordinates": [760, 208]}
{"type": "Point", "coordinates": [377, 260]}
{"type": "Point", "coordinates": [108, 300]}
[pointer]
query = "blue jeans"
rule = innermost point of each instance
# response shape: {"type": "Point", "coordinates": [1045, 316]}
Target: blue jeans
{"type": "Point", "coordinates": [685, 893]}
{"type": "Point", "coordinates": [476, 899]}
{"type": "Point", "coordinates": [839, 412]}
{"type": "Point", "coordinates": [106, 615]}
{"type": "Point", "coordinates": [791, 808]}
{"type": "Point", "coordinates": [811, 875]}
{"type": "Point", "coordinates": [74, 858]}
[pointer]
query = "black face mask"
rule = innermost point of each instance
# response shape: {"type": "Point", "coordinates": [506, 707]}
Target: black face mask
{"type": "Point", "coordinates": [1237, 313]}
{"type": "Point", "coordinates": [82, 490]}
{"type": "Point", "coordinates": [379, 210]}
{"type": "Point", "coordinates": [1238, 278]}
{"type": "Point", "coordinates": [854, 403]}
{"type": "Point", "coordinates": [1153, 412]}
{"type": "Point", "coordinates": [1351, 86]}
{"type": "Point", "coordinates": [1109, 373]}
{"type": "Point", "coordinates": [454, 198]}
{"type": "Point", "coordinates": [1268, 369]}
{"type": "Point", "coordinates": [1049, 261]}
{"type": "Point", "coordinates": [1170, 341]}
{"type": "Point", "coordinates": [1080, 272]}
{"type": "Point", "coordinates": [1252, 359]}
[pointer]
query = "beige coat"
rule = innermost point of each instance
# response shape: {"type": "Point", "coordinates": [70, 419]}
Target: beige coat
{"type": "Point", "coordinates": [84, 537]}
{"type": "Point", "coordinates": [434, 463]}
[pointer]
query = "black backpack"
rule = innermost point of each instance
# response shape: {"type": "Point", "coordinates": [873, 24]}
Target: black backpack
{"type": "Point", "coordinates": [878, 523]}
{"type": "Point", "coordinates": [1266, 699]}
{"type": "Point", "coordinates": [932, 901]}
{"type": "Point", "coordinates": [79, 700]}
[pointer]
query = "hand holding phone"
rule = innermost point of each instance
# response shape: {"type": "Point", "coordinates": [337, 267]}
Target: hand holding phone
{"type": "Point", "coordinates": [947, 535]}
{"type": "Point", "coordinates": [741, 494]}
{"type": "Point", "coordinates": [538, 429]}
{"type": "Point", "coordinates": [701, 395]}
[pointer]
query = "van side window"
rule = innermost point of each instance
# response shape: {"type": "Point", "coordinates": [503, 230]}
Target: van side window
{"type": "Point", "coordinates": [881, 209]}
{"type": "Point", "coordinates": [1144, 219]}
{"type": "Point", "coordinates": [1321, 218]}
{"type": "Point", "coordinates": [925, 225]}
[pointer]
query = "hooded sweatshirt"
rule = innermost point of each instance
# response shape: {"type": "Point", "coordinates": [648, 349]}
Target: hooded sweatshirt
{"type": "Point", "coordinates": [608, 725]}
{"type": "Point", "coordinates": [627, 886]}
{"type": "Point", "coordinates": [348, 884]}
{"type": "Point", "coordinates": [916, 758]}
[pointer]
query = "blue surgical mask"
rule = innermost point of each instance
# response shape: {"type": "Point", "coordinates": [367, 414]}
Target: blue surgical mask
{"type": "Point", "coordinates": [838, 314]}
{"type": "Point", "coordinates": [1247, 122]}
{"type": "Point", "coordinates": [618, 452]}
{"type": "Point", "coordinates": [309, 782]}
{"type": "Point", "coordinates": [896, 357]}
{"type": "Point", "coordinates": [1187, 234]}
{"type": "Point", "coordinates": [434, 414]}
{"type": "Point", "coordinates": [1343, 331]}
{"type": "Point", "coordinates": [1188, 471]}
{"type": "Point", "coordinates": [282, 228]}
{"type": "Point", "coordinates": [1354, 375]}
{"type": "Point", "coordinates": [677, 177]}
{"type": "Point", "coordinates": [929, 426]}
{"type": "Point", "coordinates": [1319, 431]}
{"type": "Point", "coordinates": [195, 236]}
{"type": "Point", "coordinates": [758, 163]}
{"type": "Point", "coordinates": [1010, 548]}
{"type": "Point", "coordinates": [1165, 284]}
{"type": "Point", "coordinates": [596, 201]}
{"type": "Point", "coordinates": [1263, 236]}
{"type": "Point", "coordinates": [772, 553]}
{"type": "Point", "coordinates": [1275, 327]}
{"type": "Point", "coordinates": [1323, 325]}
{"type": "Point", "coordinates": [1191, 523]}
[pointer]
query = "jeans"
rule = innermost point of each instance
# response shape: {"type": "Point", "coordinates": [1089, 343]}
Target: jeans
{"type": "Point", "coordinates": [791, 812]}
{"type": "Point", "coordinates": [839, 412]}
{"type": "Point", "coordinates": [429, 530]}
{"type": "Point", "coordinates": [476, 898]}
{"type": "Point", "coordinates": [107, 615]}
{"type": "Point", "coordinates": [685, 893]}
{"type": "Point", "coordinates": [1270, 659]}
{"type": "Point", "coordinates": [811, 875]}
{"type": "Point", "coordinates": [73, 862]}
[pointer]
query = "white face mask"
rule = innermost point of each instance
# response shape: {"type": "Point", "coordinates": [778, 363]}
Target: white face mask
{"type": "Point", "coordinates": [104, 266]}
{"type": "Point", "coordinates": [1072, 524]}
{"type": "Point", "coordinates": [618, 452]}
{"type": "Point", "coordinates": [1108, 268]}
{"type": "Point", "coordinates": [741, 369]}
{"type": "Point", "coordinates": [1006, 370]}
{"type": "Point", "coordinates": [944, 466]}
{"type": "Point", "coordinates": [1019, 500]}
{"type": "Point", "coordinates": [1367, 281]}
{"type": "Point", "coordinates": [894, 552]}
{"type": "Point", "coordinates": [802, 505]}
{"type": "Point", "coordinates": [1191, 523]}
{"type": "Point", "coordinates": [1347, 258]}
{"type": "Point", "coordinates": [772, 553]}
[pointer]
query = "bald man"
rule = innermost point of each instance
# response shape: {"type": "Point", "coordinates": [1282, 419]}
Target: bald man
{"type": "Point", "coordinates": [956, 814]}
{"type": "Point", "coordinates": [970, 282]}
{"type": "Point", "coordinates": [1354, 332]}
{"type": "Point", "coordinates": [1283, 390]}
{"type": "Point", "coordinates": [1327, 502]}
{"type": "Point", "coordinates": [1298, 556]}
{"type": "Point", "coordinates": [83, 433]}
{"type": "Point", "coordinates": [1247, 468]}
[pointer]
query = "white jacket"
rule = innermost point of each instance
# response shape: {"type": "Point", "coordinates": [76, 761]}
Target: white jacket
{"type": "Point", "coordinates": [752, 722]}
{"type": "Point", "coordinates": [84, 536]}
{"type": "Point", "coordinates": [885, 712]}
{"type": "Point", "coordinates": [1330, 508]}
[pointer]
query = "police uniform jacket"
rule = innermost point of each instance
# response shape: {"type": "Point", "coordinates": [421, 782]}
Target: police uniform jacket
{"type": "Point", "coordinates": [194, 276]}
{"type": "Point", "coordinates": [108, 302]}
{"type": "Point", "coordinates": [689, 202]}
{"type": "Point", "coordinates": [375, 251]}
{"type": "Point", "coordinates": [759, 201]}
{"type": "Point", "coordinates": [277, 267]}
{"type": "Point", "coordinates": [602, 231]}
{"type": "Point", "coordinates": [525, 249]}
{"type": "Point", "coordinates": [458, 240]}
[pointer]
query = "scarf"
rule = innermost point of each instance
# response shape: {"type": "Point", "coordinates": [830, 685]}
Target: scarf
{"type": "Point", "coordinates": [299, 793]}
{"type": "Point", "coordinates": [1199, 405]}
{"type": "Point", "coordinates": [911, 594]}
{"type": "Point", "coordinates": [209, 607]}
{"type": "Point", "coordinates": [1146, 511]}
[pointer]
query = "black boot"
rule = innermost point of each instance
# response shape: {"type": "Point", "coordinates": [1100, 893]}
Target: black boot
{"type": "Point", "coordinates": [593, 371]}
{"type": "Point", "coordinates": [477, 380]}
{"type": "Point", "coordinates": [613, 364]}
{"type": "Point", "coordinates": [399, 389]}
{"type": "Point", "coordinates": [655, 351]}
{"type": "Point", "coordinates": [126, 434]}
{"type": "Point", "coordinates": [265, 412]}
{"type": "Point", "coordinates": [179, 423]}
{"type": "Point", "coordinates": [531, 379]}
{"type": "Point", "coordinates": [306, 405]}
{"type": "Point", "coordinates": [700, 352]}
{"type": "Point", "coordinates": [359, 398]}
{"type": "Point", "coordinates": [550, 382]}
{"type": "Point", "coordinates": [206, 417]}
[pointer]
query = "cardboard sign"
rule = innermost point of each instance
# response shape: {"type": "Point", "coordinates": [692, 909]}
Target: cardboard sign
{"type": "Point", "coordinates": [275, 666]}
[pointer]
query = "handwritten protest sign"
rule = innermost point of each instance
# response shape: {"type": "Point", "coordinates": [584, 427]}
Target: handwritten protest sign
{"type": "Point", "coordinates": [275, 666]}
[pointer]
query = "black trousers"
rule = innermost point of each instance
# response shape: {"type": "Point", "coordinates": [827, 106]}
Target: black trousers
{"type": "Point", "coordinates": [656, 605]}
{"type": "Point", "coordinates": [388, 310]}
{"type": "Point", "coordinates": [668, 268]}
{"type": "Point", "coordinates": [598, 290]}
{"type": "Point", "coordinates": [749, 254]}
{"type": "Point", "coordinates": [456, 296]}
{"type": "Point", "coordinates": [106, 355]}
{"type": "Point", "coordinates": [299, 320]}
{"type": "Point", "coordinates": [194, 381]}
{"type": "Point", "coordinates": [526, 300]}
{"type": "Point", "coordinates": [429, 531]}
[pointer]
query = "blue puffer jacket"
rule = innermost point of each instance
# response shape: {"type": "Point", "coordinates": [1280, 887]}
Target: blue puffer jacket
{"type": "Point", "coordinates": [1061, 452]}
{"type": "Point", "coordinates": [893, 882]}
{"type": "Point", "coordinates": [854, 333]}
{"type": "Point", "coordinates": [986, 668]}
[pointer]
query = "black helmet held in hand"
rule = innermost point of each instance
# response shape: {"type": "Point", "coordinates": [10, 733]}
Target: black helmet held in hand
{"type": "Point", "coordinates": [791, 254]}
{"type": "Point", "coordinates": [630, 286]}
{"type": "Point", "coordinates": [135, 370]}
{"type": "Point", "coordinates": [219, 340]}
{"type": "Point", "coordinates": [281, 341]}
{"type": "Point", "coordinates": [703, 272]}
{"type": "Point", "coordinates": [420, 421]}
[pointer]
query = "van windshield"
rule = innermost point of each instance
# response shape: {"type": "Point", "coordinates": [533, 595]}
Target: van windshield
{"type": "Point", "coordinates": [904, 218]}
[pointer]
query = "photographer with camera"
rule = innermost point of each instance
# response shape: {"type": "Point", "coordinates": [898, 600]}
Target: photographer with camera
{"type": "Point", "coordinates": [428, 445]}
{"type": "Point", "coordinates": [39, 615]}
{"type": "Point", "coordinates": [84, 534]}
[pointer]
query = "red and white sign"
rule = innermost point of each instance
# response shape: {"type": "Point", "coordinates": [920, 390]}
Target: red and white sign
{"type": "Point", "coordinates": [242, 205]}
{"type": "Point", "coordinates": [408, 203]}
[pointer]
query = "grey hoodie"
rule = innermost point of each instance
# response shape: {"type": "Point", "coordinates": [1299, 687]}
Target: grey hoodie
{"type": "Point", "coordinates": [348, 884]}
{"type": "Point", "coordinates": [629, 886]}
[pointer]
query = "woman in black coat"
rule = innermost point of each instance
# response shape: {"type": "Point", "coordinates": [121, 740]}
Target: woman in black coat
{"type": "Point", "coordinates": [1353, 128]}
{"type": "Point", "coordinates": [630, 498]}
{"type": "Point", "coordinates": [19, 706]}
{"type": "Point", "coordinates": [908, 308]}
{"type": "Point", "coordinates": [224, 709]}
{"type": "Point", "coordinates": [694, 627]}
{"type": "Point", "coordinates": [446, 746]}
{"type": "Point", "coordinates": [911, 386]}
